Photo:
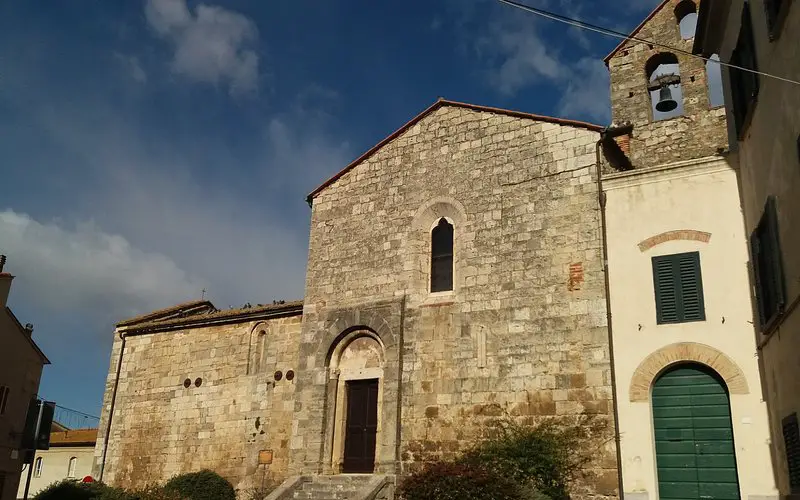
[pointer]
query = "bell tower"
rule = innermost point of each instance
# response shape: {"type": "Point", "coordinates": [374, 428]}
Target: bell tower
{"type": "Point", "coordinates": [672, 100]}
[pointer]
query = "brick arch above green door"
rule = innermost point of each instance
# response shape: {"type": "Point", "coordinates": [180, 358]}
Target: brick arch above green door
{"type": "Point", "coordinates": [654, 364]}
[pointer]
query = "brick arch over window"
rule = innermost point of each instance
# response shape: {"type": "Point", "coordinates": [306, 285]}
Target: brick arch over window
{"type": "Point", "coordinates": [681, 234]}
{"type": "Point", "coordinates": [649, 369]}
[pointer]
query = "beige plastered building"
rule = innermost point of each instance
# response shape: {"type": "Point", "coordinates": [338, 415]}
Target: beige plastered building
{"type": "Point", "coordinates": [70, 457]}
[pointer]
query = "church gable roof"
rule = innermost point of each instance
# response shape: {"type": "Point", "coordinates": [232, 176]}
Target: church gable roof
{"type": "Point", "coordinates": [436, 105]}
{"type": "Point", "coordinates": [635, 31]}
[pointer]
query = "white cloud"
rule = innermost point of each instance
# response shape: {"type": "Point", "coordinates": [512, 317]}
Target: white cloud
{"type": "Point", "coordinates": [517, 55]}
{"type": "Point", "coordinates": [587, 91]}
{"type": "Point", "coordinates": [211, 45]}
{"type": "Point", "coordinates": [82, 268]}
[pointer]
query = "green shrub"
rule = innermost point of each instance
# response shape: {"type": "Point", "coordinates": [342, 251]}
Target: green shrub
{"type": "Point", "coordinates": [66, 490]}
{"type": "Point", "coordinates": [547, 457]}
{"type": "Point", "coordinates": [203, 485]}
{"type": "Point", "coordinates": [458, 481]}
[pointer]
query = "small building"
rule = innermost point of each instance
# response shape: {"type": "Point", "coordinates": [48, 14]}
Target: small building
{"type": "Point", "coordinates": [692, 423]}
{"type": "Point", "coordinates": [764, 35]}
{"type": "Point", "coordinates": [21, 363]}
{"type": "Point", "coordinates": [70, 457]}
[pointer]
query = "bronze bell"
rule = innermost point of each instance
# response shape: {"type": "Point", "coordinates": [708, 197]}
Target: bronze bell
{"type": "Point", "coordinates": [665, 101]}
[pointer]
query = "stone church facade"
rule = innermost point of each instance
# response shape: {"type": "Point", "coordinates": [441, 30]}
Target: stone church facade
{"type": "Point", "coordinates": [518, 328]}
{"type": "Point", "coordinates": [458, 272]}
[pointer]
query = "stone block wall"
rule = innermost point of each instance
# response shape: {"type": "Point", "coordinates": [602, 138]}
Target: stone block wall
{"type": "Point", "coordinates": [524, 331]}
{"type": "Point", "coordinates": [237, 422]}
{"type": "Point", "coordinates": [700, 132]}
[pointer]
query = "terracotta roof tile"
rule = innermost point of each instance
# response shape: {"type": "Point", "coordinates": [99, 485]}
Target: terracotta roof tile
{"type": "Point", "coordinates": [165, 312]}
{"type": "Point", "coordinates": [199, 319]}
{"type": "Point", "coordinates": [73, 437]}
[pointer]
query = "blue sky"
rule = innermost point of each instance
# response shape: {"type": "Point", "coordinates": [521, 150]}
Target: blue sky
{"type": "Point", "coordinates": [154, 148]}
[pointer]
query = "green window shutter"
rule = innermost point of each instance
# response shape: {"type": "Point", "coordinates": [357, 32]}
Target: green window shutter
{"type": "Point", "coordinates": [678, 288]}
{"type": "Point", "coordinates": [665, 289]}
{"type": "Point", "coordinates": [755, 253]}
{"type": "Point", "coordinates": [768, 266]}
{"type": "Point", "coordinates": [691, 286]}
{"type": "Point", "coordinates": [791, 441]}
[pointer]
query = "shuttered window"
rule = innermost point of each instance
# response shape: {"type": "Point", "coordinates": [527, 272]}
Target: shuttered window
{"type": "Point", "coordinates": [442, 256]}
{"type": "Point", "coordinates": [678, 288]}
{"type": "Point", "coordinates": [791, 441]}
{"type": "Point", "coordinates": [776, 13]}
{"type": "Point", "coordinates": [744, 84]}
{"type": "Point", "coordinates": [4, 391]}
{"type": "Point", "coordinates": [765, 250]}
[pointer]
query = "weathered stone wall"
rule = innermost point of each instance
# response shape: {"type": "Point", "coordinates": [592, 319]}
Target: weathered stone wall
{"type": "Point", "coordinates": [701, 131]}
{"type": "Point", "coordinates": [524, 330]}
{"type": "Point", "coordinates": [161, 428]}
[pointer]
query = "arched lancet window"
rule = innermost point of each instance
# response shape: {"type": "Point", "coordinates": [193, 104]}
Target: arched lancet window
{"type": "Point", "coordinates": [442, 256]}
{"type": "Point", "coordinates": [714, 79]}
{"type": "Point", "coordinates": [73, 464]}
{"type": "Point", "coordinates": [37, 467]}
{"type": "Point", "coordinates": [686, 14]}
{"type": "Point", "coordinates": [664, 84]}
{"type": "Point", "coordinates": [261, 351]}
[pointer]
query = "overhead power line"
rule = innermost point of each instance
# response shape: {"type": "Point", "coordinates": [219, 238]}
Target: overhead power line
{"type": "Point", "coordinates": [616, 34]}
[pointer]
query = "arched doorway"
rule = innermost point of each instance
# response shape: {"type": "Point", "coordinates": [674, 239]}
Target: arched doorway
{"type": "Point", "coordinates": [695, 453]}
{"type": "Point", "coordinates": [357, 363]}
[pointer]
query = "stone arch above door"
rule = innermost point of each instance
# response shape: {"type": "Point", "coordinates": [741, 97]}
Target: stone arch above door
{"type": "Point", "coordinates": [652, 366]}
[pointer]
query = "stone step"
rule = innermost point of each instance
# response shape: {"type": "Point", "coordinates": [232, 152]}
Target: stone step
{"type": "Point", "coordinates": [338, 487]}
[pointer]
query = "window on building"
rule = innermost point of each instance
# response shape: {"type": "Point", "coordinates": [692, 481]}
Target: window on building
{"type": "Point", "coordinates": [744, 84]}
{"type": "Point", "coordinates": [791, 441]}
{"type": "Point", "coordinates": [4, 392]}
{"type": "Point", "coordinates": [442, 256]}
{"type": "Point", "coordinates": [678, 288]}
{"type": "Point", "coordinates": [765, 252]}
{"type": "Point", "coordinates": [261, 352]}
{"type": "Point", "coordinates": [37, 467]}
{"type": "Point", "coordinates": [776, 13]}
{"type": "Point", "coordinates": [73, 464]}
{"type": "Point", "coordinates": [714, 79]}
{"type": "Point", "coordinates": [664, 84]}
{"type": "Point", "coordinates": [686, 13]}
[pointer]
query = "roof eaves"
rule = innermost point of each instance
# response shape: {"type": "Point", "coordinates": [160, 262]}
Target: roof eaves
{"type": "Point", "coordinates": [159, 313]}
{"type": "Point", "coordinates": [445, 102]}
{"type": "Point", "coordinates": [28, 337]}
{"type": "Point", "coordinates": [292, 308]}
{"type": "Point", "coordinates": [635, 31]}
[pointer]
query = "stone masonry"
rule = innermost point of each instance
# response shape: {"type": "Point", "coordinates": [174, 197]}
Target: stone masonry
{"type": "Point", "coordinates": [700, 132]}
{"type": "Point", "coordinates": [524, 330]}
{"type": "Point", "coordinates": [523, 333]}
{"type": "Point", "coordinates": [234, 417]}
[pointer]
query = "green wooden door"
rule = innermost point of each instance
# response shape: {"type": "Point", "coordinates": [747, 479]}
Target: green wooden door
{"type": "Point", "coordinates": [695, 454]}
